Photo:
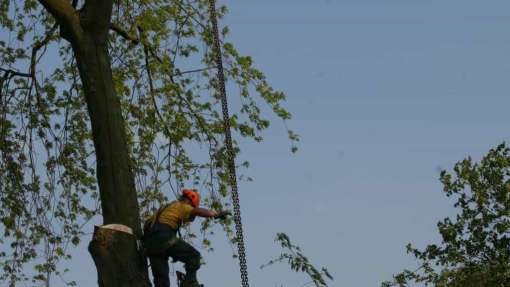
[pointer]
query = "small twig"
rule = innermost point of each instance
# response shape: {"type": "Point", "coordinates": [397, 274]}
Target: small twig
{"type": "Point", "coordinates": [178, 73]}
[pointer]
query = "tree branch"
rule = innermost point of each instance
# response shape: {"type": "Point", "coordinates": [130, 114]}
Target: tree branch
{"type": "Point", "coordinates": [9, 73]}
{"type": "Point", "coordinates": [124, 34]}
{"type": "Point", "coordinates": [134, 39]}
{"type": "Point", "coordinates": [61, 10]}
{"type": "Point", "coordinates": [33, 60]}
{"type": "Point", "coordinates": [179, 73]}
{"type": "Point", "coordinates": [149, 49]}
{"type": "Point", "coordinates": [15, 73]}
{"type": "Point", "coordinates": [38, 45]}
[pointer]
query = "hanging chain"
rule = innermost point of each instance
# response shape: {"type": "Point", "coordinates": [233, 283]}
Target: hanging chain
{"type": "Point", "coordinates": [220, 86]}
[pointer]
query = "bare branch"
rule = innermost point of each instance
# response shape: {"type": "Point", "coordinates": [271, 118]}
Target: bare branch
{"type": "Point", "coordinates": [178, 73]}
{"type": "Point", "coordinates": [15, 73]}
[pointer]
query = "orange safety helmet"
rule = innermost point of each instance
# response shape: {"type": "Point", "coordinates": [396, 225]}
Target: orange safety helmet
{"type": "Point", "coordinates": [192, 195]}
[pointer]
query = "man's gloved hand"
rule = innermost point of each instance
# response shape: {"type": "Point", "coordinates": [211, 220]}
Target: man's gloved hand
{"type": "Point", "coordinates": [223, 214]}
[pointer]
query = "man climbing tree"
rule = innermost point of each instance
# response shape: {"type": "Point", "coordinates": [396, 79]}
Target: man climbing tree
{"type": "Point", "coordinates": [95, 118]}
{"type": "Point", "coordinates": [161, 242]}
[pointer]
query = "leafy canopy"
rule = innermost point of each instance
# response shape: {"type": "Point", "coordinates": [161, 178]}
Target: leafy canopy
{"type": "Point", "coordinates": [162, 61]}
{"type": "Point", "coordinates": [475, 247]}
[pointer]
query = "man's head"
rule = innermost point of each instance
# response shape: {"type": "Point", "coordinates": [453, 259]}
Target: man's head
{"type": "Point", "coordinates": [192, 196]}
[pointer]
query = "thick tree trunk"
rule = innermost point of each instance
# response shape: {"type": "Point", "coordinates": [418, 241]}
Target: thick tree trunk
{"type": "Point", "coordinates": [118, 262]}
{"type": "Point", "coordinates": [116, 181]}
{"type": "Point", "coordinates": [116, 257]}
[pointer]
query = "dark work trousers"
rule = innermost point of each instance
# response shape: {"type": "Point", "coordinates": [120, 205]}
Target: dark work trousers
{"type": "Point", "coordinates": [161, 244]}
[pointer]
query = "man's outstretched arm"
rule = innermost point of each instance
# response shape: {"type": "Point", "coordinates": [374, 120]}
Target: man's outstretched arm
{"type": "Point", "coordinates": [203, 212]}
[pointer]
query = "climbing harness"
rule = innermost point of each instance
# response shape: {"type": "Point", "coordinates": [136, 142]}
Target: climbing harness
{"type": "Point", "coordinates": [220, 87]}
{"type": "Point", "coordinates": [147, 226]}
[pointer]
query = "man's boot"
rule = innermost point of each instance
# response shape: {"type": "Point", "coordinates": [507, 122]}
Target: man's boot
{"type": "Point", "coordinates": [191, 283]}
{"type": "Point", "coordinates": [187, 282]}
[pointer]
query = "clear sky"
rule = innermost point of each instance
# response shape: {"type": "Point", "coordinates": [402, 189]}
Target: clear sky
{"type": "Point", "coordinates": [384, 93]}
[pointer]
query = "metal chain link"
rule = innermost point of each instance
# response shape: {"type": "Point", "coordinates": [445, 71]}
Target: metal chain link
{"type": "Point", "coordinates": [230, 150]}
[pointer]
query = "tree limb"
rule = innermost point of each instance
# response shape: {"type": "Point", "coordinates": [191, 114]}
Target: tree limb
{"type": "Point", "coordinates": [15, 73]}
{"type": "Point", "coordinates": [38, 45]}
{"type": "Point", "coordinates": [61, 10]}
{"type": "Point", "coordinates": [179, 73]}
{"type": "Point", "coordinates": [124, 34]}
{"type": "Point", "coordinates": [134, 39]}
{"type": "Point", "coordinates": [149, 49]}
{"type": "Point", "coordinates": [33, 60]}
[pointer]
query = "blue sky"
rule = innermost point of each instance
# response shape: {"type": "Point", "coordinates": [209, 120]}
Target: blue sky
{"type": "Point", "coordinates": [384, 94]}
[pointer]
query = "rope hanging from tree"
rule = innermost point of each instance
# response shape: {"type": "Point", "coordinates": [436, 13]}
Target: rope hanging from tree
{"type": "Point", "coordinates": [220, 87]}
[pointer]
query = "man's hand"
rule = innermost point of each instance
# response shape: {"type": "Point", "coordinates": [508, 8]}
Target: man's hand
{"type": "Point", "coordinates": [223, 214]}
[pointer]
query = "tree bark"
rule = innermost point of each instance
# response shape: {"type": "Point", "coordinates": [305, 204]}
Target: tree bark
{"type": "Point", "coordinates": [115, 267]}
{"type": "Point", "coordinates": [116, 255]}
{"type": "Point", "coordinates": [116, 181]}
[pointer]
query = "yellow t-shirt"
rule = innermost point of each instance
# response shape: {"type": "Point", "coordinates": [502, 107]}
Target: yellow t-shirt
{"type": "Point", "coordinates": [176, 214]}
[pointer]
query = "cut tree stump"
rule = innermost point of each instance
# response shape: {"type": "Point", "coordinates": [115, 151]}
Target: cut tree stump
{"type": "Point", "coordinates": [118, 260]}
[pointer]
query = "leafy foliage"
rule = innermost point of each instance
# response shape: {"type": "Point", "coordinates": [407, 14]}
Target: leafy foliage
{"type": "Point", "coordinates": [162, 62]}
{"type": "Point", "coordinates": [475, 247]}
{"type": "Point", "coordinates": [298, 262]}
